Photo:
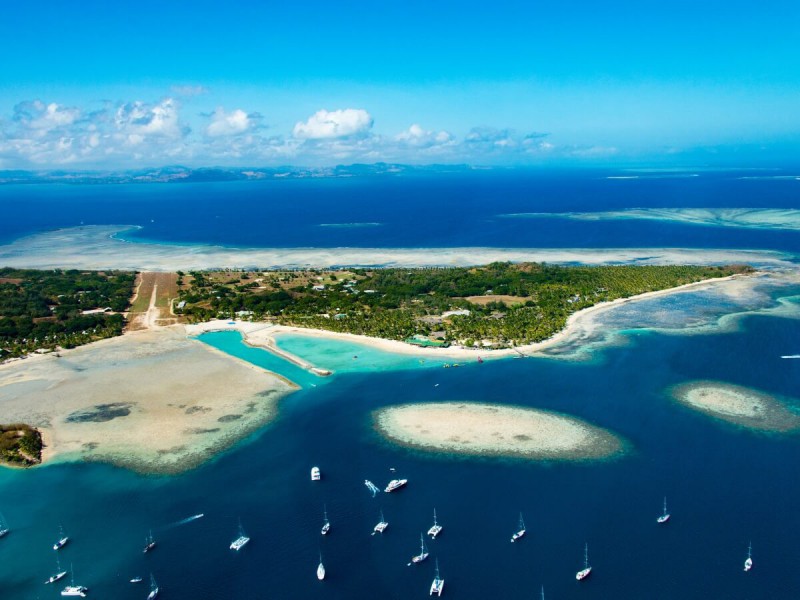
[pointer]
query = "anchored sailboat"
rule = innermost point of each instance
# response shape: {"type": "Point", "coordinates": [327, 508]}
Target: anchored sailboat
{"type": "Point", "coordinates": [320, 569]}
{"type": "Point", "coordinates": [4, 529]}
{"type": "Point", "coordinates": [665, 515]}
{"type": "Point", "coordinates": [59, 574]}
{"type": "Point", "coordinates": [438, 583]}
{"type": "Point", "coordinates": [748, 563]}
{"type": "Point", "coordinates": [381, 526]}
{"type": "Point", "coordinates": [435, 529]}
{"type": "Point", "coordinates": [240, 541]}
{"type": "Point", "coordinates": [62, 539]}
{"type": "Point", "coordinates": [72, 589]}
{"type": "Point", "coordinates": [153, 588]}
{"type": "Point", "coordinates": [521, 531]}
{"type": "Point", "coordinates": [423, 552]}
{"type": "Point", "coordinates": [586, 570]}
{"type": "Point", "coordinates": [326, 525]}
{"type": "Point", "coordinates": [149, 543]}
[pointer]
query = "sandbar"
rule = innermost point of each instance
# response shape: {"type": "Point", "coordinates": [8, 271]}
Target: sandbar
{"type": "Point", "coordinates": [495, 430]}
{"type": "Point", "coordinates": [153, 401]}
{"type": "Point", "coordinates": [740, 405]}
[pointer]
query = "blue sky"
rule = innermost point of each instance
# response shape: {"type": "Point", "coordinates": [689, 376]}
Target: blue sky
{"type": "Point", "coordinates": [210, 83]}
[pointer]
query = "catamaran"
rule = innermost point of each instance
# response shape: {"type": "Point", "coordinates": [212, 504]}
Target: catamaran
{"type": "Point", "coordinates": [153, 588]}
{"type": "Point", "coordinates": [326, 525]}
{"type": "Point", "coordinates": [665, 515]}
{"type": "Point", "coordinates": [521, 531]}
{"type": "Point", "coordinates": [435, 529]}
{"type": "Point", "coordinates": [62, 539]}
{"type": "Point", "coordinates": [59, 574]}
{"type": "Point", "coordinates": [423, 552]}
{"type": "Point", "coordinates": [438, 583]}
{"type": "Point", "coordinates": [748, 563]}
{"type": "Point", "coordinates": [3, 526]}
{"type": "Point", "coordinates": [381, 526]}
{"type": "Point", "coordinates": [149, 543]}
{"type": "Point", "coordinates": [72, 589]}
{"type": "Point", "coordinates": [395, 484]}
{"type": "Point", "coordinates": [320, 569]}
{"type": "Point", "coordinates": [240, 541]}
{"type": "Point", "coordinates": [586, 570]}
{"type": "Point", "coordinates": [315, 474]}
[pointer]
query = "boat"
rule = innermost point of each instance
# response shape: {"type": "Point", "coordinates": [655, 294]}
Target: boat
{"type": "Point", "coordinates": [136, 579]}
{"type": "Point", "coordinates": [59, 574]}
{"type": "Point", "coordinates": [438, 583]}
{"type": "Point", "coordinates": [320, 569]}
{"type": "Point", "coordinates": [435, 529]}
{"type": "Point", "coordinates": [72, 589]}
{"type": "Point", "coordinates": [62, 539]}
{"type": "Point", "coordinates": [395, 484]}
{"type": "Point", "coordinates": [586, 570]}
{"type": "Point", "coordinates": [381, 526]}
{"type": "Point", "coordinates": [423, 552]}
{"type": "Point", "coordinates": [153, 588]}
{"type": "Point", "coordinates": [326, 525]}
{"type": "Point", "coordinates": [240, 541]}
{"type": "Point", "coordinates": [748, 563]}
{"type": "Point", "coordinates": [315, 474]}
{"type": "Point", "coordinates": [665, 515]}
{"type": "Point", "coordinates": [149, 543]}
{"type": "Point", "coordinates": [520, 532]}
{"type": "Point", "coordinates": [3, 526]}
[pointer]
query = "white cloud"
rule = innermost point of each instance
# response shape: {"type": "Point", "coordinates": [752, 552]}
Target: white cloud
{"type": "Point", "coordinates": [232, 123]}
{"type": "Point", "coordinates": [418, 137]}
{"type": "Point", "coordinates": [140, 120]}
{"type": "Point", "coordinates": [334, 124]}
{"type": "Point", "coordinates": [189, 90]}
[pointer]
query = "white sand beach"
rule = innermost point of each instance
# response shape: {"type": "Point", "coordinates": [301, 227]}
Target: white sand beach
{"type": "Point", "coordinates": [497, 430]}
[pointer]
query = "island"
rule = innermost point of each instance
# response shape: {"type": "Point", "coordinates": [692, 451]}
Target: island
{"type": "Point", "coordinates": [472, 428]}
{"type": "Point", "coordinates": [20, 445]}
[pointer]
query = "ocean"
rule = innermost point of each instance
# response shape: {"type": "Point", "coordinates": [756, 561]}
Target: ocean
{"type": "Point", "coordinates": [726, 485]}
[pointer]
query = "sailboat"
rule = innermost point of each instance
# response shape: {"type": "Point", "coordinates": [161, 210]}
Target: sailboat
{"type": "Point", "coordinates": [665, 516]}
{"type": "Point", "coordinates": [153, 588]}
{"type": "Point", "coordinates": [240, 541]}
{"type": "Point", "coordinates": [586, 570]}
{"type": "Point", "coordinates": [149, 543]}
{"type": "Point", "coordinates": [72, 589]}
{"type": "Point", "coordinates": [521, 531]}
{"type": "Point", "coordinates": [748, 563]}
{"type": "Point", "coordinates": [59, 574]}
{"type": "Point", "coordinates": [381, 526]}
{"type": "Point", "coordinates": [320, 569]}
{"type": "Point", "coordinates": [435, 529]}
{"type": "Point", "coordinates": [3, 526]}
{"type": "Point", "coordinates": [62, 539]}
{"type": "Point", "coordinates": [438, 583]}
{"type": "Point", "coordinates": [136, 579]}
{"type": "Point", "coordinates": [423, 552]}
{"type": "Point", "coordinates": [326, 525]}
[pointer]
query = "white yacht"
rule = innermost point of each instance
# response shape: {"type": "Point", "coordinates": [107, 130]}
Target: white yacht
{"type": "Point", "coordinates": [153, 588]}
{"type": "Point", "coordinates": [136, 579]}
{"type": "Point", "coordinates": [664, 517]}
{"type": "Point", "coordinates": [59, 574]}
{"type": "Point", "coordinates": [438, 583]}
{"type": "Point", "coordinates": [320, 569]}
{"type": "Point", "coordinates": [149, 543]}
{"type": "Point", "coordinates": [395, 484]}
{"type": "Point", "coordinates": [62, 539]}
{"type": "Point", "coordinates": [72, 589]}
{"type": "Point", "coordinates": [240, 541]}
{"type": "Point", "coordinates": [315, 474]}
{"type": "Point", "coordinates": [381, 526]}
{"type": "Point", "coordinates": [586, 570]}
{"type": "Point", "coordinates": [521, 531]}
{"type": "Point", "coordinates": [435, 529]}
{"type": "Point", "coordinates": [3, 526]}
{"type": "Point", "coordinates": [423, 552]}
{"type": "Point", "coordinates": [326, 525]}
{"type": "Point", "coordinates": [748, 563]}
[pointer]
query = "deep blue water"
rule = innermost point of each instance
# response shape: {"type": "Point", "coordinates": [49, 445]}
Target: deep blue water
{"type": "Point", "coordinates": [726, 486]}
{"type": "Point", "coordinates": [417, 210]}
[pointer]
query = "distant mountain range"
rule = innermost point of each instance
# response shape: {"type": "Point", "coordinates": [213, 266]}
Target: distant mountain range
{"type": "Point", "coordinates": [180, 174]}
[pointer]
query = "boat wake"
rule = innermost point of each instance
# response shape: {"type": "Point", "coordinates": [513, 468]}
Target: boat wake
{"type": "Point", "coordinates": [791, 356]}
{"type": "Point", "coordinates": [186, 520]}
{"type": "Point", "coordinates": [371, 487]}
